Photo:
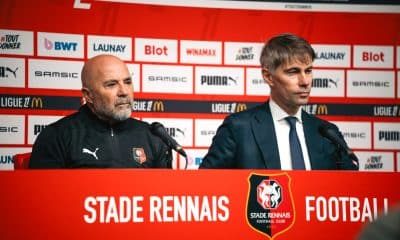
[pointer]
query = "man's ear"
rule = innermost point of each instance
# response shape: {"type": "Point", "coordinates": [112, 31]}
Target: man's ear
{"type": "Point", "coordinates": [267, 76]}
{"type": "Point", "coordinates": [87, 95]}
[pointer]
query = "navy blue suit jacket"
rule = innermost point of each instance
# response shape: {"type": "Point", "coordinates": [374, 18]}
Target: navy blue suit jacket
{"type": "Point", "coordinates": [247, 140]}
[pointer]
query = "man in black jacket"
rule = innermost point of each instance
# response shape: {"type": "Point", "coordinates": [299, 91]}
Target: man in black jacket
{"type": "Point", "coordinates": [279, 134]}
{"type": "Point", "coordinates": [102, 133]}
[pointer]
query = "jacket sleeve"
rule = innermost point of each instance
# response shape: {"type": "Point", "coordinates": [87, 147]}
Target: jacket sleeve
{"type": "Point", "coordinates": [222, 151]}
{"type": "Point", "coordinates": [48, 151]}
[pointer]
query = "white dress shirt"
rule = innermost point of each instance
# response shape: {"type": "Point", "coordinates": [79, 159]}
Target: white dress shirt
{"type": "Point", "coordinates": [282, 129]}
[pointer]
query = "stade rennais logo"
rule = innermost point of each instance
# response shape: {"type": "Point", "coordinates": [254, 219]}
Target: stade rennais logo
{"type": "Point", "coordinates": [270, 206]}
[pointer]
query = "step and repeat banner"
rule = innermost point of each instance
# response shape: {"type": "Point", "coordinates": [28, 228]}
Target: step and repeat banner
{"type": "Point", "coordinates": [195, 63]}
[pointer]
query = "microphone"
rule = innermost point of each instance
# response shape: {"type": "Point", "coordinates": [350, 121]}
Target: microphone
{"type": "Point", "coordinates": [159, 130]}
{"type": "Point", "coordinates": [330, 134]}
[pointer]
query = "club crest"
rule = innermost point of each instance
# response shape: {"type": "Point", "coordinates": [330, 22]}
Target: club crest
{"type": "Point", "coordinates": [270, 207]}
{"type": "Point", "coordinates": [139, 155]}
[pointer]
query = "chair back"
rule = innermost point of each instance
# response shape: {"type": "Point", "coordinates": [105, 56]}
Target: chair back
{"type": "Point", "coordinates": [21, 160]}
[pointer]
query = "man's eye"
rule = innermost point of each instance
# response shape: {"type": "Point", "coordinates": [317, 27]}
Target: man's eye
{"type": "Point", "coordinates": [293, 71]}
{"type": "Point", "coordinates": [110, 84]}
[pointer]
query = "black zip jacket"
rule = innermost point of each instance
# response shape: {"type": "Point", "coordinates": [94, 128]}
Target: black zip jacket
{"type": "Point", "coordinates": [82, 140]}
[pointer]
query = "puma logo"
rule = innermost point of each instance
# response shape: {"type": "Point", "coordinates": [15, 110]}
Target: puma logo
{"type": "Point", "coordinates": [85, 150]}
{"type": "Point", "coordinates": [11, 71]}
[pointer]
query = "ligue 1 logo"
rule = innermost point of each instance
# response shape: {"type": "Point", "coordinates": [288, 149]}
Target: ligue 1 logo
{"type": "Point", "coordinates": [270, 206]}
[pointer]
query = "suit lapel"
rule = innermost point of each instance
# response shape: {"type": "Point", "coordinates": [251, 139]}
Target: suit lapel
{"type": "Point", "coordinates": [264, 133]}
{"type": "Point", "coordinates": [312, 140]}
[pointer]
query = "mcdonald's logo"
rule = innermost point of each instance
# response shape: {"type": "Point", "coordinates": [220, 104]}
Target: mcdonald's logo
{"type": "Point", "coordinates": [322, 110]}
{"type": "Point", "coordinates": [37, 102]}
{"type": "Point", "coordinates": [241, 107]}
{"type": "Point", "coordinates": [158, 106]}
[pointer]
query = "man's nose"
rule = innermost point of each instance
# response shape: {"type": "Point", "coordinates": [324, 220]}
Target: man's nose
{"type": "Point", "coordinates": [123, 89]}
{"type": "Point", "coordinates": [304, 78]}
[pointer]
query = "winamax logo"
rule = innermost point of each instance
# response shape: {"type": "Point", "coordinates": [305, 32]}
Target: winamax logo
{"type": "Point", "coordinates": [206, 52]}
{"type": "Point", "coordinates": [270, 206]}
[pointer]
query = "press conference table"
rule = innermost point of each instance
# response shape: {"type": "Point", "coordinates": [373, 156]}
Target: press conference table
{"type": "Point", "coordinates": [205, 204]}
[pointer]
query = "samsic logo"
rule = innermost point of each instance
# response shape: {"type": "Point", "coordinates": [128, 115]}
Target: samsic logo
{"type": "Point", "coordinates": [9, 129]}
{"type": "Point", "coordinates": [167, 78]}
{"type": "Point", "coordinates": [214, 80]}
{"type": "Point", "coordinates": [5, 71]}
{"type": "Point", "coordinates": [158, 106]}
{"type": "Point", "coordinates": [360, 135]}
{"type": "Point", "coordinates": [60, 46]}
{"type": "Point", "coordinates": [323, 83]}
{"type": "Point", "coordinates": [208, 132]}
{"type": "Point", "coordinates": [56, 74]}
{"type": "Point", "coordinates": [385, 84]}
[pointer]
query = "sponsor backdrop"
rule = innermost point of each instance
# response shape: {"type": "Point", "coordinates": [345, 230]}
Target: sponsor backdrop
{"type": "Point", "coordinates": [194, 64]}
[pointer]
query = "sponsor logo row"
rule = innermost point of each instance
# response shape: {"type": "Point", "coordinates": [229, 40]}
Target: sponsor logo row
{"type": "Point", "coordinates": [188, 51]}
{"type": "Point", "coordinates": [373, 161]}
{"type": "Point", "coordinates": [151, 78]}
{"type": "Point", "coordinates": [199, 132]}
{"type": "Point", "coordinates": [207, 107]}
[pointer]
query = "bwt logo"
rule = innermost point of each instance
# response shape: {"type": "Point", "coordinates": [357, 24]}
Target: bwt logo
{"type": "Point", "coordinates": [217, 80]}
{"type": "Point", "coordinates": [175, 132]}
{"type": "Point", "coordinates": [37, 128]}
{"type": "Point", "coordinates": [153, 50]}
{"type": "Point", "coordinates": [269, 194]}
{"type": "Point", "coordinates": [389, 135]}
{"type": "Point", "coordinates": [4, 70]}
{"type": "Point", "coordinates": [323, 83]}
{"type": "Point", "coordinates": [60, 46]}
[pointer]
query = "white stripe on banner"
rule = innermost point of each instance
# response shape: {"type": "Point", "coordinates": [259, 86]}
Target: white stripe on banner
{"type": "Point", "coordinates": [281, 6]}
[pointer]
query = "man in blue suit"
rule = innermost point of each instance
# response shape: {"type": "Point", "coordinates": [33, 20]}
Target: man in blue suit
{"type": "Point", "coordinates": [279, 134]}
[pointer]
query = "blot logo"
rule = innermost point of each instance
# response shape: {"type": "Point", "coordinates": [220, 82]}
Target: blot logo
{"type": "Point", "coordinates": [270, 206]}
